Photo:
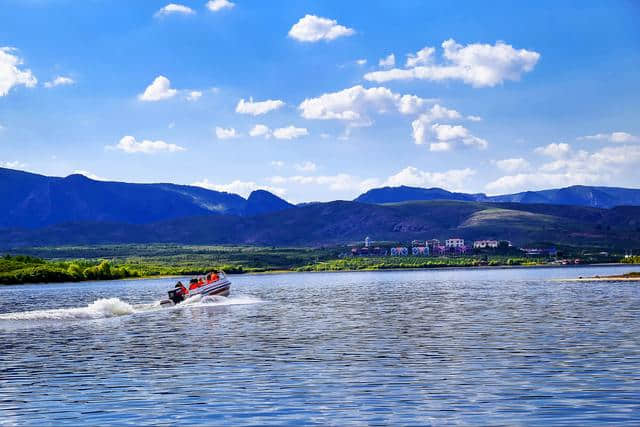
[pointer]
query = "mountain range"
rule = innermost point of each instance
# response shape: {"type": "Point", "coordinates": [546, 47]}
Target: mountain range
{"type": "Point", "coordinates": [577, 195]}
{"type": "Point", "coordinates": [38, 211]}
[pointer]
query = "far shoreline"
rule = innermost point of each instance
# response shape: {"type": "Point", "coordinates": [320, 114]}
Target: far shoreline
{"type": "Point", "coordinates": [378, 270]}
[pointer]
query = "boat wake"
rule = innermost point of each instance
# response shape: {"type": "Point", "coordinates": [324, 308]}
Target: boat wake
{"type": "Point", "coordinates": [115, 307]}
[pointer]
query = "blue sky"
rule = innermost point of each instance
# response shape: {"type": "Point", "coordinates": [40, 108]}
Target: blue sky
{"type": "Point", "coordinates": [503, 97]}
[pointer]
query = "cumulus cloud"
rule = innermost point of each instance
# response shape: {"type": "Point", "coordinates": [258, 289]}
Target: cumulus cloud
{"type": "Point", "coordinates": [454, 179]}
{"type": "Point", "coordinates": [356, 103]}
{"type": "Point", "coordinates": [313, 28]}
{"type": "Point", "coordinates": [277, 163]}
{"type": "Point", "coordinates": [306, 167]}
{"type": "Point", "coordinates": [260, 130]}
{"type": "Point", "coordinates": [512, 165]}
{"type": "Point", "coordinates": [479, 65]}
{"type": "Point", "coordinates": [361, 61]}
{"type": "Point", "coordinates": [422, 57]}
{"type": "Point", "coordinates": [256, 108]}
{"type": "Point", "coordinates": [443, 137]}
{"type": "Point", "coordinates": [474, 118]}
{"type": "Point", "coordinates": [226, 133]}
{"type": "Point", "coordinates": [12, 73]}
{"type": "Point", "coordinates": [573, 168]}
{"type": "Point", "coordinates": [290, 132]}
{"type": "Point", "coordinates": [174, 8]}
{"type": "Point", "coordinates": [218, 5]}
{"type": "Point", "coordinates": [59, 81]}
{"type": "Point", "coordinates": [194, 95]}
{"type": "Point", "coordinates": [128, 144]}
{"type": "Point", "coordinates": [13, 165]}
{"type": "Point", "coordinates": [556, 150]}
{"type": "Point", "coordinates": [612, 137]}
{"type": "Point", "coordinates": [158, 90]}
{"type": "Point", "coordinates": [388, 61]}
{"type": "Point", "coordinates": [243, 188]}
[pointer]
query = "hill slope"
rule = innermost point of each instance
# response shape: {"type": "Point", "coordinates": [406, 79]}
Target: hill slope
{"type": "Point", "coordinates": [343, 222]}
{"type": "Point", "coordinates": [31, 200]}
{"type": "Point", "coordinates": [578, 195]}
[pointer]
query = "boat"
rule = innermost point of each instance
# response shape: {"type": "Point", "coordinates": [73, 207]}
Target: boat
{"type": "Point", "coordinates": [215, 283]}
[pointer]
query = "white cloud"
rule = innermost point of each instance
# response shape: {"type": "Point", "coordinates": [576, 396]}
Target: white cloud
{"type": "Point", "coordinates": [128, 144]}
{"type": "Point", "coordinates": [243, 188]}
{"type": "Point", "coordinates": [89, 175]}
{"type": "Point", "coordinates": [277, 163]}
{"type": "Point", "coordinates": [452, 179]}
{"type": "Point", "coordinates": [260, 130]}
{"type": "Point", "coordinates": [422, 57]}
{"type": "Point", "coordinates": [217, 5]}
{"type": "Point", "coordinates": [11, 73]}
{"type": "Point", "coordinates": [158, 90]}
{"type": "Point", "coordinates": [361, 61]}
{"type": "Point", "coordinates": [443, 137]}
{"type": "Point", "coordinates": [603, 167]}
{"type": "Point", "coordinates": [173, 8]}
{"type": "Point", "coordinates": [313, 28]}
{"type": "Point", "coordinates": [354, 104]}
{"type": "Point", "coordinates": [388, 61]}
{"type": "Point", "coordinates": [258, 107]}
{"type": "Point", "coordinates": [226, 133]}
{"type": "Point", "coordinates": [194, 95]}
{"type": "Point", "coordinates": [512, 165]}
{"type": "Point", "coordinates": [290, 132]}
{"type": "Point", "coordinates": [59, 81]}
{"type": "Point", "coordinates": [556, 150]}
{"type": "Point", "coordinates": [306, 167]}
{"type": "Point", "coordinates": [612, 137]}
{"type": "Point", "coordinates": [479, 65]}
{"type": "Point", "coordinates": [474, 118]}
{"type": "Point", "coordinates": [13, 165]}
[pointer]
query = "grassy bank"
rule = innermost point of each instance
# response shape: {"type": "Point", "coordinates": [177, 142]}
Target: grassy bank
{"type": "Point", "coordinates": [107, 262]}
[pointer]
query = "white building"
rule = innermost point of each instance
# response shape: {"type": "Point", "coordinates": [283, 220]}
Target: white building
{"type": "Point", "coordinates": [420, 251]}
{"type": "Point", "coordinates": [481, 244]}
{"type": "Point", "coordinates": [367, 242]}
{"type": "Point", "coordinates": [454, 243]}
{"type": "Point", "coordinates": [401, 251]}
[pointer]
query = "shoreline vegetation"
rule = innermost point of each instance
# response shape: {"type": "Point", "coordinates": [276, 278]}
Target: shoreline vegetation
{"type": "Point", "coordinates": [112, 262]}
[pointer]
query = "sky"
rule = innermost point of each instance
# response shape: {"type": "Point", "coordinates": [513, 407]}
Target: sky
{"type": "Point", "coordinates": [323, 100]}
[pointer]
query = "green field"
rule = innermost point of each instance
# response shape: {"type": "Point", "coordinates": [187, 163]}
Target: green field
{"type": "Point", "coordinates": [105, 262]}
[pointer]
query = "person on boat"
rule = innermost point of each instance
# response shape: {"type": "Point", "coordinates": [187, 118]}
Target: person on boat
{"type": "Point", "coordinates": [184, 291]}
{"type": "Point", "coordinates": [193, 284]}
{"type": "Point", "coordinates": [214, 277]}
{"type": "Point", "coordinates": [200, 281]}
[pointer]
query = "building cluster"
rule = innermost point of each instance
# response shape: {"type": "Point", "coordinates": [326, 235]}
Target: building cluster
{"type": "Point", "coordinates": [434, 247]}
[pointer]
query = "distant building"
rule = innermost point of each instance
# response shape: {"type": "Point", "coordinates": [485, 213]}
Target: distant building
{"type": "Point", "coordinates": [454, 243]}
{"type": "Point", "coordinates": [367, 242]}
{"type": "Point", "coordinates": [399, 251]}
{"type": "Point", "coordinates": [482, 244]}
{"type": "Point", "coordinates": [551, 252]}
{"type": "Point", "coordinates": [417, 243]}
{"type": "Point", "coordinates": [439, 250]}
{"type": "Point", "coordinates": [420, 251]}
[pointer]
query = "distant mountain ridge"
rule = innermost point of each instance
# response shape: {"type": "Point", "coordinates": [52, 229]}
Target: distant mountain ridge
{"type": "Point", "coordinates": [577, 195]}
{"type": "Point", "coordinates": [30, 200]}
{"type": "Point", "coordinates": [344, 222]}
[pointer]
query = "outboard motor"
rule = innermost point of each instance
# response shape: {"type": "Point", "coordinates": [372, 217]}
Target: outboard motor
{"type": "Point", "coordinates": [176, 295]}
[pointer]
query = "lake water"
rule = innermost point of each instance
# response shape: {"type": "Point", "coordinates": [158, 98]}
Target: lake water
{"type": "Point", "coordinates": [491, 346]}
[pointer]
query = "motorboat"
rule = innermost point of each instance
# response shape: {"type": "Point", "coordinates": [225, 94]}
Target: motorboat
{"type": "Point", "coordinates": [215, 283]}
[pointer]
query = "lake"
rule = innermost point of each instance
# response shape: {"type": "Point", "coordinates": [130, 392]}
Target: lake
{"type": "Point", "coordinates": [475, 346]}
